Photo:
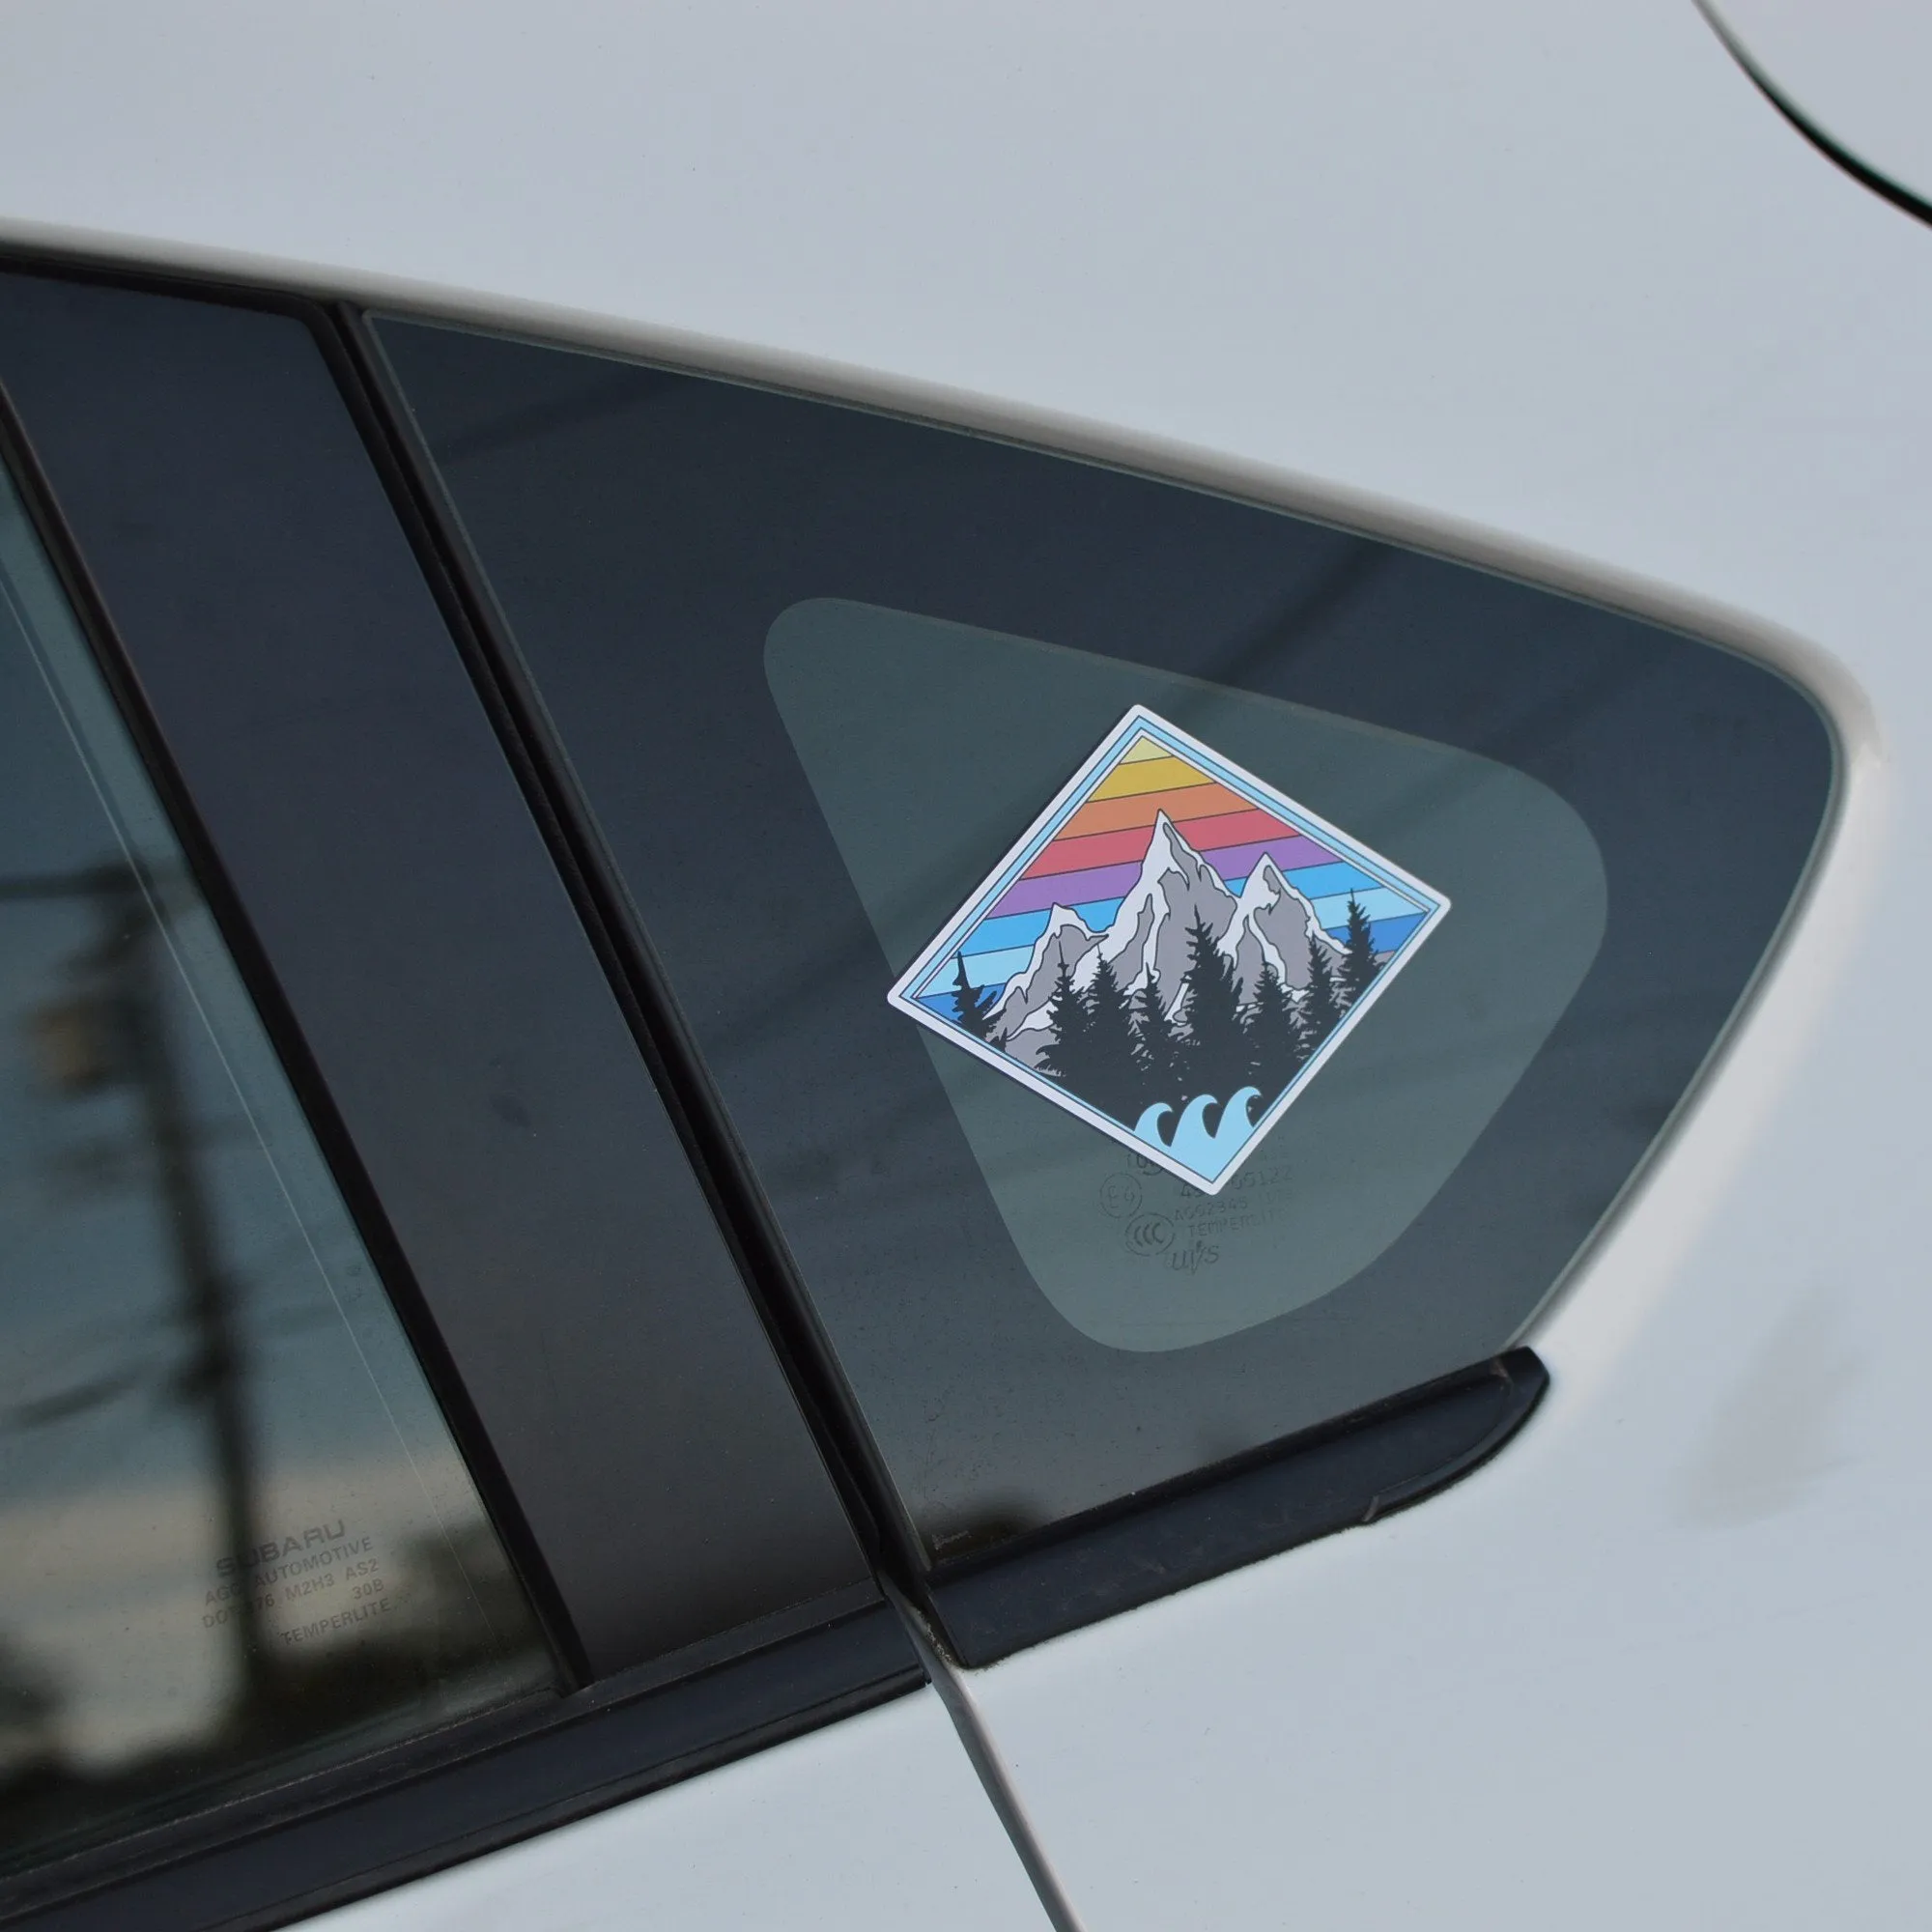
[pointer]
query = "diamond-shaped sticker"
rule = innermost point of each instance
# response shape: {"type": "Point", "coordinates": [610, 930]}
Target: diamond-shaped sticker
{"type": "Point", "coordinates": [1171, 951]}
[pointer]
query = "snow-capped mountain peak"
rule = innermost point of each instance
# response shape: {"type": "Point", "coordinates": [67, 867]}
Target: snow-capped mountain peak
{"type": "Point", "coordinates": [1021, 1009]}
{"type": "Point", "coordinates": [1269, 924]}
{"type": "Point", "coordinates": [1274, 925]}
{"type": "Point", "coordinates": [1148, 937]}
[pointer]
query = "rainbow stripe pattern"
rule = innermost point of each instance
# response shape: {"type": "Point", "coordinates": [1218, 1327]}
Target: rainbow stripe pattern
{"type": "Point", "coordinates": [1087, 851]}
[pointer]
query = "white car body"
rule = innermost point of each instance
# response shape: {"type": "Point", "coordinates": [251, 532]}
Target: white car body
{"type": "Point", "coordinates": [1555, 288]}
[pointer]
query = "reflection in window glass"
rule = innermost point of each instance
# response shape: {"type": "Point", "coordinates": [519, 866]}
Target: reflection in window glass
{"type": "Point", "coordinates": [236, 1539]}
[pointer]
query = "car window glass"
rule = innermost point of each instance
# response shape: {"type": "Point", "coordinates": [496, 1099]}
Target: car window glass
{"type": "Point", "coordinates": [238, 1541]}
{"type": "Point", "coordinates": [868, 716]}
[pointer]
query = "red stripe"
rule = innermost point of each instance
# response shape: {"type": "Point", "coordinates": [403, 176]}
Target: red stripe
{"type": "Point", "coordinates": [1104, 848]}
{"type": "Point", "coordinates": [1236, 828]}
{"type": "Point", "coordinates": [1129, 847]}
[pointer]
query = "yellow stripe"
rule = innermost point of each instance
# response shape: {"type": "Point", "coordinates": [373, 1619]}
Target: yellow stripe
{"type": "Point", "coordinates": [1144, 747]}
{"type": "Point", "coordinates": [1166, 773]}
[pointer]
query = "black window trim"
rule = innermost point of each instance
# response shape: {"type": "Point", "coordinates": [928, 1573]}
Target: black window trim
{"type": "Point", "coordinates": [258, 976]}
{"type": "Point", "coordinates": [638, 985]}
{"type": "Point", "coordinates": [774, 1679]}
{"type": "Point", "coordinates": [643, 987]}
{"type": "Point", "coordinates": [1353, 1470]}
{"type": "Point", "coordinates": [538, 794]}
{"type": "Point", "coordinates": [337, 1835]}
{"type": "Point", "coordinates": [324, 1837]}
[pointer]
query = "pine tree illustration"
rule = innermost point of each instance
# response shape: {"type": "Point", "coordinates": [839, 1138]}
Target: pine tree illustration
{"type": "Point", "coordinates": [1065, 1058]}
{"type": "Point", "coordinates": [1274, 1036]}
{"type": "Point", "coordinates": [1216, 1057]}
{"type": "Point", "coordinates": [1111, 1076]}
{"type": "Point", "coordinates": [1157, 1049]}
{"type": "Point", "coordinates": [1359, 964]}
{"type": "Point", "coordinates": [1320, 1004]}
{"type": "Point", "coordinates": [973, 1006]}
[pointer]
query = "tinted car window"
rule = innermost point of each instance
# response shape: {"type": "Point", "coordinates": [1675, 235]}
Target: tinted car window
{"type": "Point", "coordinates": [894, 737]}
{"type": "Point", "coordinates": [237, 1540]}
{"type": "Point", "coordinates": [579, 1310]}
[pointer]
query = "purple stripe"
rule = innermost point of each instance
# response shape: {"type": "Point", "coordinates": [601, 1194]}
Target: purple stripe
{"type": "Point", "coordinates": [1290, 854]}
{"type": "Point", "coordinates": [1068, 889]}
{"type": "Point", "coordinates": [1112, 882]}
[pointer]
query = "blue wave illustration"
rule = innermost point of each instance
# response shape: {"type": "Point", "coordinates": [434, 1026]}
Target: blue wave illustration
{"type": "Point", "coordinates": [1192, 1144]}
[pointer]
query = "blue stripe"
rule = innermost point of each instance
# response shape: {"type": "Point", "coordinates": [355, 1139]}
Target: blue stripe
{"type": "Point", "coordinates": [995, 939]}
{"type": "Point", "coordinates": [1022, 928]}
{"type": "Point", "coordinates": [1098, 913]}
{"type": "Point", "coordinates": [1314, 883]}
{"type": "Point", "coordinates": [1320, 882]}
{"type": "Point", "coordinates": [1379, 902]}
{"type": "Point", "coordinates": [1017, 929]}
{"type": "Point", "coordinates": [1385, 934]}
{"type": "Point", "coordinates": [992, 969]}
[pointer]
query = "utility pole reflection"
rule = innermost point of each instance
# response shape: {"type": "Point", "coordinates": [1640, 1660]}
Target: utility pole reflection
{"type": "Point", "coordinates": [112, 1031]}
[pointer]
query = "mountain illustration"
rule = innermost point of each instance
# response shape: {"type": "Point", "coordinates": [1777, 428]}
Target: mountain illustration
{"type": "Point", "coordinates": [1021, 1013]}
{"type": "Point", "coordinates": [1150, 937]}
{"type": "Point", "coordinates": [1170, 950]}
{"type": "Point", "coordinates": [1274, 926]}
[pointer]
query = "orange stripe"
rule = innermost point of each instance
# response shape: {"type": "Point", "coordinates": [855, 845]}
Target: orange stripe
{"type": "Point", "coordinates": [1118, 814]}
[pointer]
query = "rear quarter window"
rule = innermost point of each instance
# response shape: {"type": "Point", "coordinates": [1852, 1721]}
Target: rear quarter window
{"type": "Point", "coordinates": [815, 674]}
